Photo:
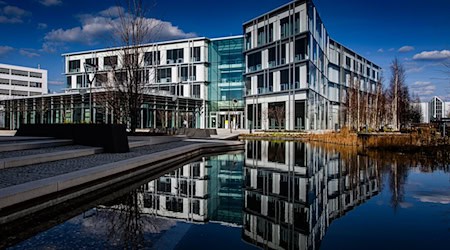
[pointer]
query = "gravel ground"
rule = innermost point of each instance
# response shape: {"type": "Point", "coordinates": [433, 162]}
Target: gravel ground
{"type": "Point", "coordinates": [19, 153]}
{"type": "Point", "coordinates": [15, 176]}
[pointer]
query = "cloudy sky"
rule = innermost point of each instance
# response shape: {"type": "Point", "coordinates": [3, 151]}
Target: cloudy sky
{"type": "Point", "coordinates": [416, 32]}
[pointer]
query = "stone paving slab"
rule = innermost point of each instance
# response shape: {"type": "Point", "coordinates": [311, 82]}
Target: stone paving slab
{"type": "Point", "coordinates": [19, 175]}
{"type": "Point", "coordinates": [19, 161]}
{"type": "Point", "coordinates": [33, 144]}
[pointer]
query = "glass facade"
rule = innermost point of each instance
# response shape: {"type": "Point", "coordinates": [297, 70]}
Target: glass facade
{"type": "Point", "coordinates": [226, 87]}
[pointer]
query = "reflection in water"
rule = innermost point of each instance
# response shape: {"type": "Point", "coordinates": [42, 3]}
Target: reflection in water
{"type": "Point", "coordinates": [279, 195]}
{"type": "Point", "coordinates": [293, 191]}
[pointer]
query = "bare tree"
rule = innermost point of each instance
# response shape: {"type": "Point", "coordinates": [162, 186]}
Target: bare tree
{"type": "Point", "coordinates": [399, 95]}
{"type": "Point", "coordinates": [131, 30]}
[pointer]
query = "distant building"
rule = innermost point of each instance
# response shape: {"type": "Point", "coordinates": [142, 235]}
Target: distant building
{"type": "Point", "coordinates": [18, 81]}
{"type": "Point", "coordinates": [436, 108]}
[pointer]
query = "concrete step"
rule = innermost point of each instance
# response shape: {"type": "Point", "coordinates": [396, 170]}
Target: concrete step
{"type": "Point", "coordinates": [47, 157]}
{"type": "Point", "coordinates": [33, 144]}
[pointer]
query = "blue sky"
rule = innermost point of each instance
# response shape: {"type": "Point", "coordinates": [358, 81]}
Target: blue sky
{"type": "Point", "coordinates": [417, 32]}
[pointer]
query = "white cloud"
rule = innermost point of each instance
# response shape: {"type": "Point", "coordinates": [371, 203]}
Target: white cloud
{"type": "Point", "coordinates": [5, 50]}
{"type": "Point", "coordinates": [391, 49]}
{"type": "Point", "coordinates": [42, 26]}
{"type": "Point", "coordinates": [380, 50]}
{"type": "Point", "coordinates": [29, 53]}
{"type": "Point", "coordinates": [434, 55]}
{"type": "Point", "coordinates": [94, 29]}
{"type": "Point", "coordinates": [12, 14]}
{"type": "Point", "coordinates": [406, 48]}
{"type": "Point", "coordinates": [56, 82]}
{"type": "Point", "coordinates": [50, 2]}
{"type": "Point", "coordinates": [423, 88]}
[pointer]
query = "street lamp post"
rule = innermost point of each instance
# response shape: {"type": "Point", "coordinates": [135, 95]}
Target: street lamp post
{"type": "Point", "coordinates": [92, 66]}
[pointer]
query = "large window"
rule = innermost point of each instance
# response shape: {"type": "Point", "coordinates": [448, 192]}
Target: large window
{"type": "Point", "coordinates": [272, 57]}
{"type": "Point", "coordinates": [110, 62]}
{"type": "Point", "coordinates": [285, 27]}
{"type": "Point", "coordinates": [152, 58]}
{"type": "Point", "coordinates": [261, 36]}
{"type": "Point", "coordinates": [69, 81]}
{"type": "Point", "coordinates": [35, 74]}
{"type": "Point", "coordinates": [92, 61]}
{"type": "Point", "coordinates": [284, 79]}
{"type": "Point", "coordinates": [254, 61]}
{"type": "Point", "coordinates": [301, 46]}
{"type": "Point", "coordinates": [195, 54]}
{"type": "Point", "coordinates": [188, 73]}
{"type": "Point", "coordinates": [164, 75]}
{"type": "Point", "coordinates": [79, 81]}
{"type": "Point", "coordinates": [175, 56]}
{"type": "Point", "coordinates": [74, 66]}
{"type": "Point", "coordinates": [196, 91]}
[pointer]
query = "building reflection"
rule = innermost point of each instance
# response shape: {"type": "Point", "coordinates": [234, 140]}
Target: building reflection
{"type": "Point", "coordinates": [284, 195]}
{"type": "Point", "coordinates": [207, 190]}
{"type": "Point", "coordinates": [293, 191]}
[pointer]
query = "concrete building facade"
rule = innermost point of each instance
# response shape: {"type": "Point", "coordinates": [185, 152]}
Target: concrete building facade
{"type": "Point", "coordinates": [296, 76]}
{"type": "Point", "coordinates": [18, 81]}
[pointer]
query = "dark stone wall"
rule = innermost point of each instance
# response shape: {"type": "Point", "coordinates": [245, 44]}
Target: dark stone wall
{"type": "Point", "coordinates": [112, 137]}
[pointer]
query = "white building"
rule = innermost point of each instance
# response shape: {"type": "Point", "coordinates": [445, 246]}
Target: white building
{"type": "Point", "coordinates": [172, 68]}
{"type": "Point", "coordinates": [436, 108]}
{"type": "Point", "coordinates": [18, 81]}
{"type": "Point", "coordinates": [294, 68]}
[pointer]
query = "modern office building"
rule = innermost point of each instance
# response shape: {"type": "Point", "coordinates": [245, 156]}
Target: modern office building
{"type": "Point", "coordinates": [296, 76]}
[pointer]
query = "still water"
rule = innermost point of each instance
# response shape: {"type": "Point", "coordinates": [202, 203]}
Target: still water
{"type": "Point", "coordinates": [275, 195]}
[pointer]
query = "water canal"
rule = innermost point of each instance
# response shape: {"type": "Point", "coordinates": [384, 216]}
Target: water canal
{"type": "Point", "coordinates": [275, 195]}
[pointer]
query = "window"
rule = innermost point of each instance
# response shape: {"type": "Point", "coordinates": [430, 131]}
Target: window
{"type": "Point", "coordinates": [284, 79]}
{"type": "Point", "coordinates": [272, 57]}
{"type": "Point", "coordinates": [261, 36]}
{"type": "Point", "coordinates": [69, 81]}
{"type": "Point", "coordinates": [130, 60]}
{"type": "Point", "coordinates": [19, 93]}
{"type": "Point", "coordinates": [79, 81]}
{"type": "Point", "coordinates": [174, 204]}
{"type": "Point", "coordinates": [164, 75]}
{"type": "Point", "coordinates": [101, 79]}
{"type": "Point", "coordinates": [284, 27]}
{"type": "Point", "coordinates": [248, 40]}
{"type": "Point", "coordinates": [19, 72]}
{"type": "Point", "coordinates": [297, 23]}
{"type": "Point", "coordinates": [261, 87]}
{"type": "Point", "coordinates": [196, 91]}
{"type": "Point", "coordinates": [152, 58]}
{"type": "Point", "coordinates": [4, 92]}
{"type": "Point", "coordinates": [109, 62]}
{"type": "Point", "coordinates": [4, 81]}
{"type": "Point", "coordinates": [195, 207]}
{"type": "Point", "coordinates": [282, 55]}
{"type": "Point", "coordinates": [270, 86]}
{"type": "Point", "coordinates": [175, 56]}
{"type": "Point", "coordinates": [188, 73]}
{"type": "Point", "coordinates": [270, 33]}
{"type": "Point", "coordinates": [195, 54]}
{"type": "Point", "coordinates": [300, 49]}
{"type": "Point", "coordinates": [19, 83]}
{"type": "Point", "coordinates": [35, 84]}
{"type": "Point", "coordinates": [35, 74]}
{"type": "Point", "coordinates": [348, 62]}
{"type": "Point", "coordinates": [74, 66]}
{"type": "Point", "coordinates": [4, 71]}
{"type": "Point", "coordinates": [92, 62]}
{"type": "Point", "coordinates": [254, 61]}
{"type": "Point", "coordinates": [120, 76]}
